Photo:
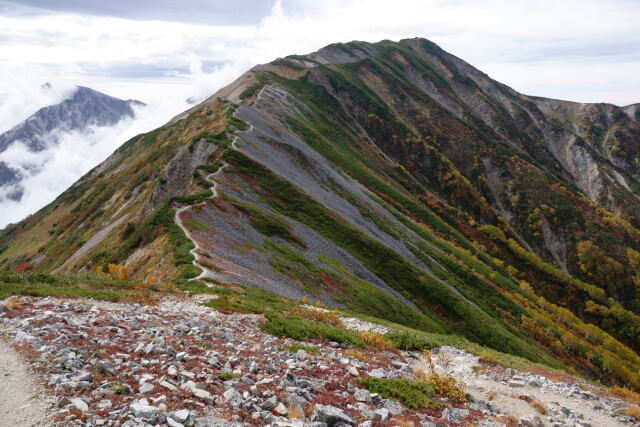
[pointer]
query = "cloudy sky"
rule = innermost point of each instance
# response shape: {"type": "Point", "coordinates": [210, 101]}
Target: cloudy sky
{"type": "Point", "coordinates": [163, 51]}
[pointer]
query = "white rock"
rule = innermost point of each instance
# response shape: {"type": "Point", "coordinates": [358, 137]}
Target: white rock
{"type": "Point", "coordinates": [143, 410]}
{"type": "Point", "coordinates": [382, 414]}
{"type": "Point", "coordinates": [80, 404]}
{"type": "Point", "coordinates": [181, 416]}
{"type": "Point", "coordinates": [168, 385]}
{"type": "Point", "coordinates": [281, 409]}
{"type": "Point", "coordinates": [146, 388]}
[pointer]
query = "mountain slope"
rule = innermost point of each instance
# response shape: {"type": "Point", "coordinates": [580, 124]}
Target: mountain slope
{"type": "Point", "coordinates": [392, 179]}
{"type": "Point", "coordinates": [85, 108]}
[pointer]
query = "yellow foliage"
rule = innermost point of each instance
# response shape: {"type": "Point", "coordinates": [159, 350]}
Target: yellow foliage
{"type": "Point", "coordinates": [448, 387]}
{"type": "Point", "coordinates": [317, 315]}
{"type": "Point", "coordinates": [511, 270]}
{"type": "Point", "coordinates": [444, 385]}
{"type": "Point", "coordinates": [375, 340]}
{"type": "Point", "coordinates": [488, 358]}
{"type": "Point", "coordinates": [626, 394]}
{"type": "Point", "coordinates": [539, 406]}
{"type": "Point", "coordinates": [115, 272]}
{"type": "Point", "coordinates": [143, 298]}
{"type": "Point", "coordinates": [358, 355]}
{"type": "Point", "coordinates": [294, 411]}
{"type": "Point", "coordinates": [14, 302]}
{"type": "Point", "coordinates": [632, 411]}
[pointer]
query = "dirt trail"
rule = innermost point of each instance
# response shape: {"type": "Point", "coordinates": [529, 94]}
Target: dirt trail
{"type": "Point", "coordinates": [21, 402]}
{"type": "Point", "coordinates": [211, 179]}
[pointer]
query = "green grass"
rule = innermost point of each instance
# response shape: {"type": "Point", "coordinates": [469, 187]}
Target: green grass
{"type": "Point", "coordinates": [286, 63]}
{"type": "Point", "coordinates": [412, 394]}
{"type": "Point", "coordinates": [64, 286]}
{"type": "Point", "coordinates": [251, 90]}
{"type": "Point", "coordinates": [306, 330]}
{"type": "Point", "coordinates": [265, 222]}
{"type": "Point", "coordinates": [410, 341]}
{"type": "Point", "coordinates": [226, 376]}
{"type": "Point", "coordinates": [195, 225]}
{"type": "Point", "coordinates": [241, 298]}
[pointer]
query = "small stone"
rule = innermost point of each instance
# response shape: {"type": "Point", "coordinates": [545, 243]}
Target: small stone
{"type": "Point", "coordinates": [160, 399]}
{"type": "Point", "coordinates": [168, 385]}
{"type": "Point", "coordinates": [281, 409]}
{"type": "Point", "coordinates": [381, 414]}
{"type": "Point", "coordinates": [173, 423]}
{"type": "Point", "coordinates": [232, 396]}
{"type": "Point", "coordinates": [105, 367]}
{"type": "Point", "coordinates": [516, 384]}
{"type": "Point", "coordinates": [181, 416]}
{"type": "Point", "coordinates": [531, 421]}
{"type": "Point", "coordinates": [84, 376]}
{"type": "Point", "coordinates": [146, 388]}
{"type": "Point", "coordinates": [80, 404]}
{"type": "Point", "coordinates": [181, 328]}
{"type": "Point", "coordinates": [143, 410]}
{"type": "Point", "coordinates": [455, 415]}
{"type": "Point", "coordinates": [202, 394]}
{"type": "Point", "coordinates": [353, 371]}
{"type": "Point", "coordinates": [362, 395]}
{"type": "Point", "coordinates": [331, 415]}
{"type": "Point", "coordinates": [394, 407]}
{"type": "Point", "coordinates": [378, 373]}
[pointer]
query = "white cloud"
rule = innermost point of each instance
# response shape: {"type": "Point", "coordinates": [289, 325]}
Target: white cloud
{"type": "Point", "coordinates": [582, 50]}
{"type": "Point", "coordinates": [60, 165]}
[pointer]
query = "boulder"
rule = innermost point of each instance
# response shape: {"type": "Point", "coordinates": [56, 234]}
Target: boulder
{"type": "Point", "coordinates": [331, 415]}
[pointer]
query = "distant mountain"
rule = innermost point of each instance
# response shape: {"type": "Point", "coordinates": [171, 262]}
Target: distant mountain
{"type": "Point", "coordinates": [392, 179]}
{"type": "Point", "coordinates": [85, 108]}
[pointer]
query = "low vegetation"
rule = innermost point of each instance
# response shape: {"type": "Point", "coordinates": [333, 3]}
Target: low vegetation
{"type": "Point", "coordinates": [88, 286]}
{"type": "Point", "coordinates": [305, 330]}
{"type": "Point", "coordinates": [413, 394]}
{"type": "Point", "coordinates": [316, 315]}
{"type": "Point", "coordinates": [226, 376]}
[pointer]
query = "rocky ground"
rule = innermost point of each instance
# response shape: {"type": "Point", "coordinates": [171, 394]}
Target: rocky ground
{"type": "Point", "coordinates": [183, 364]}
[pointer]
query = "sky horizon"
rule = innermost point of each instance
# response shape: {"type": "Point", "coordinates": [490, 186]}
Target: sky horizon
{"type": "Point", "coordinates": [163, 52]}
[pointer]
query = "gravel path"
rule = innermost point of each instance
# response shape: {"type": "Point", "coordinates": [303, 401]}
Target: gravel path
{"type": "Point", "coordinates": [20, 402]}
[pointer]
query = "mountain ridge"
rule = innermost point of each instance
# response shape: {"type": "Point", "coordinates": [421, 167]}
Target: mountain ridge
{"type": "Point", "coordinates": [78, 112]}
{"type": "Point", "coordinates": [403, 184]}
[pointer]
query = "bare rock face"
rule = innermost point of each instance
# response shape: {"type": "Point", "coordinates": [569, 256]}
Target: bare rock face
{"type": "Point", "coordinates": [179, 172]}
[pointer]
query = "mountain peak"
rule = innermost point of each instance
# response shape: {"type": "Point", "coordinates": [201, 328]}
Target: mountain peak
{"type": "Point", "coordinates": [391, 179]}
{"type": "Point", "coordinates": [84, 108]}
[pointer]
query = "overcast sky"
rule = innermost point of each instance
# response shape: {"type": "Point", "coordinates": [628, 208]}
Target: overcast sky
{"type": "Point", "coordinates": [583, 50]}
{"type": "Point", "coordinates": [163, 51]}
